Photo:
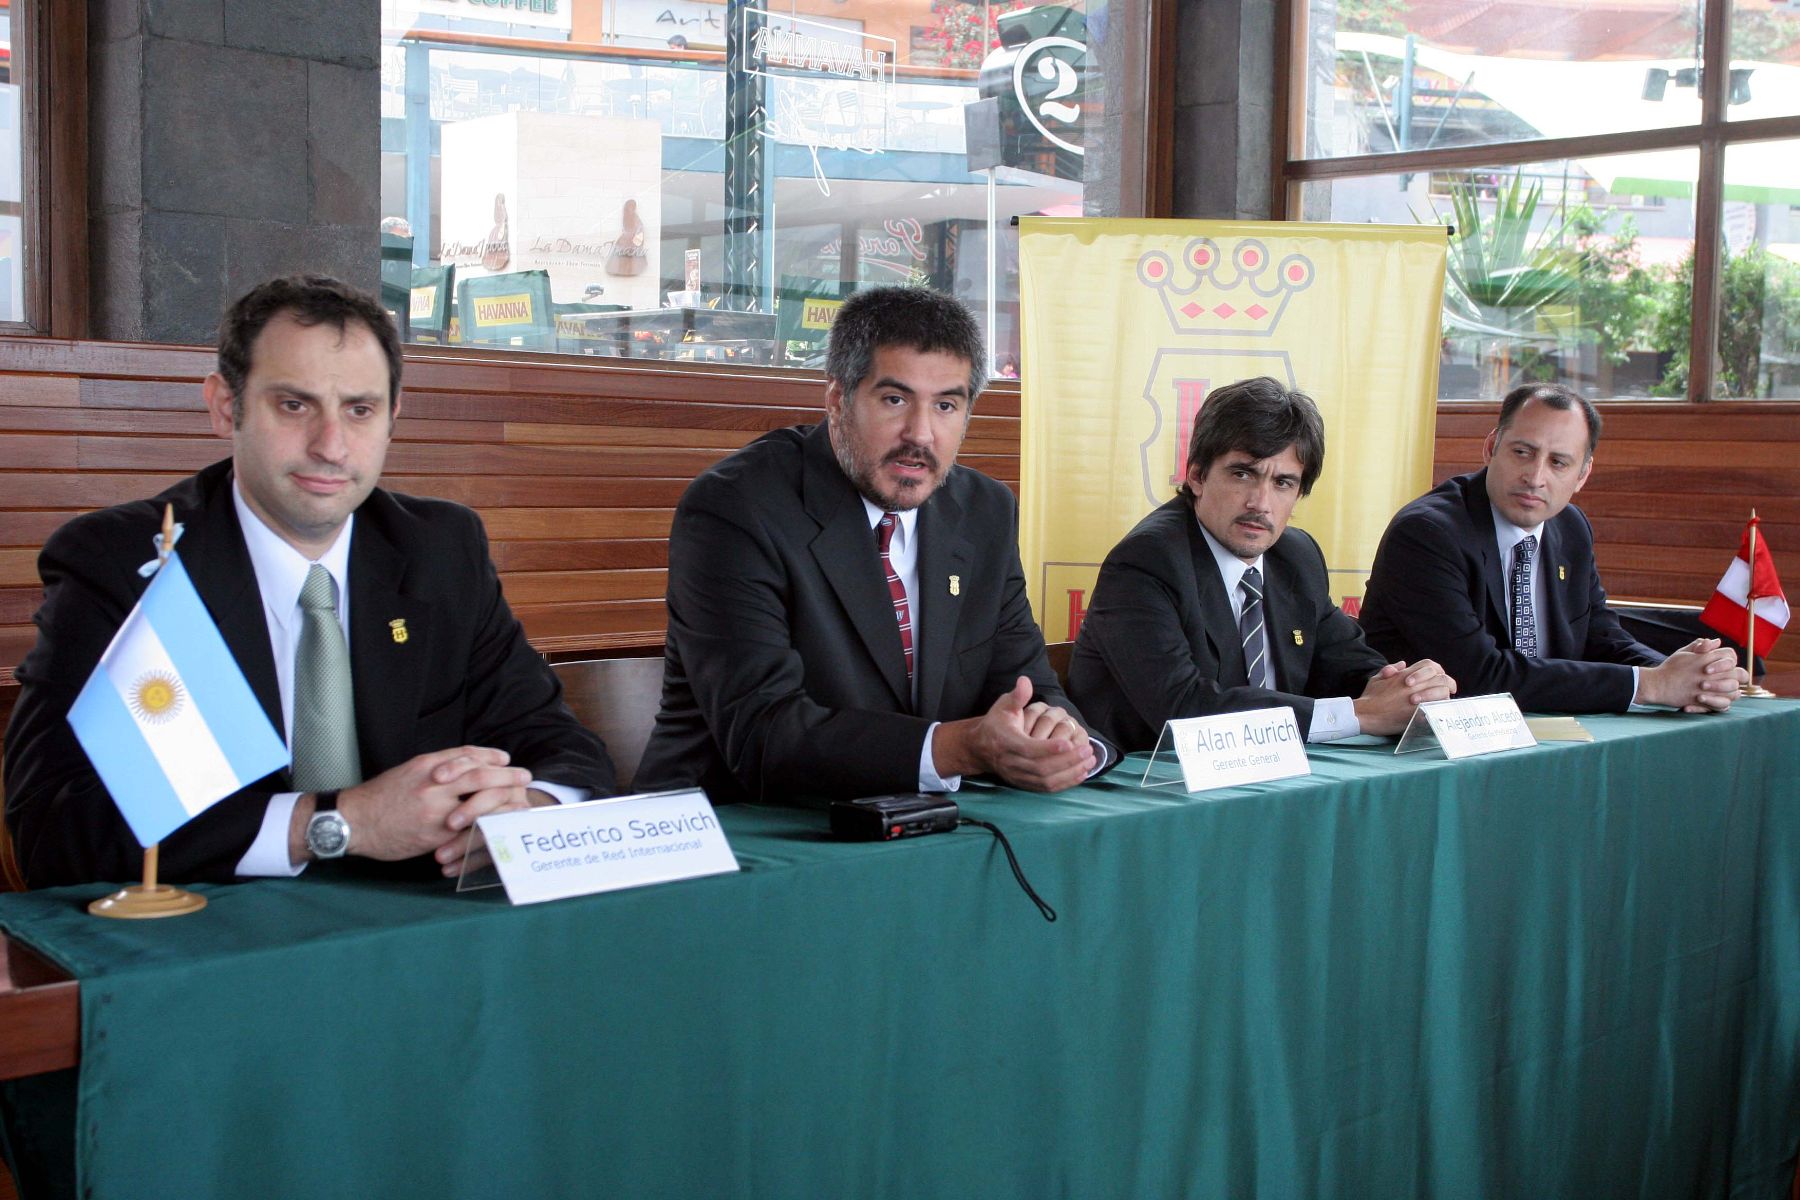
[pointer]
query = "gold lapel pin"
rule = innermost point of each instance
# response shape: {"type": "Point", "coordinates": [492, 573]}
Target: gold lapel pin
{"type": "Point", "coordinates": [1562, 572]}
{"type": "Point", "coordinates": [956, 585]}
{"type": "Point", "coordinates": [1299, 638]}
{"type": "Point", "coordinates": [398, 625]}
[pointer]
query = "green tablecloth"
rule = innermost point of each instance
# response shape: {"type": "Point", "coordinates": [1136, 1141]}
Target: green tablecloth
{"type": "Point", "coordinates": [1571, 971]}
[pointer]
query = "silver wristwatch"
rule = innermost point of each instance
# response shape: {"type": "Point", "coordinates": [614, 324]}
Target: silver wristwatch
{"type": "Point", "coordinates": [328, 832]}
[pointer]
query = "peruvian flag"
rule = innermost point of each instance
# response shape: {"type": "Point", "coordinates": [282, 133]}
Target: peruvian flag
{"type": "Point", "coordinates": [1728, 610]}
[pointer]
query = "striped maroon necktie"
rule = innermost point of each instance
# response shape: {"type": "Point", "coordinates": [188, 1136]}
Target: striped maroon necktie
{"type": "Point", "coordinates": [896, 589]}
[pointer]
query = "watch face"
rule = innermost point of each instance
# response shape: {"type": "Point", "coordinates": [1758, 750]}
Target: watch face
{"type": "Point", "coordinates": [328, 834]}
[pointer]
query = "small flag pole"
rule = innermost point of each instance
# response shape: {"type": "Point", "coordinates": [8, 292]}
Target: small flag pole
{"type": "Point", "coordinates": [1752, 688]}
{"type": "Point", "coordinates": [150, 898]}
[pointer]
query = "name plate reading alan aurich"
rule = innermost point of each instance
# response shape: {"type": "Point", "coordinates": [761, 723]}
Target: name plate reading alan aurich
{"type": "Point", "coordinates": [1232, 749]}
{"type": "Point", "coordinates": [604, 845]}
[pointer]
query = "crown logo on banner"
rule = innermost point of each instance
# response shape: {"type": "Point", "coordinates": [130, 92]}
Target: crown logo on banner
{"type": "Point", "coordinates": [1240, 295]}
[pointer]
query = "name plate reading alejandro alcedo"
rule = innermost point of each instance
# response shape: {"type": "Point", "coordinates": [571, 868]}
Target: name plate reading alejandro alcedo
{"type": "Point", "coordinates": [604, 845]}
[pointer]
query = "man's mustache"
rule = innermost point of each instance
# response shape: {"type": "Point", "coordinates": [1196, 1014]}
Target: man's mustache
{"type": "Point", "coordinates": [915, 453]}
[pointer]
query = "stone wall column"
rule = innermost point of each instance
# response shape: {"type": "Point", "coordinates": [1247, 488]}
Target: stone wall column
{"type": "Point", "coordinates": [1225, 108]}
{"type": "Point", "coordinates": [227, 143]}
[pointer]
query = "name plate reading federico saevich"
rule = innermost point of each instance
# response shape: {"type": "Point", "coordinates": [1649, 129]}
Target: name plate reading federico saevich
{"type": "Point", "coordinates": [1467, 726]}
{"type": "Point", "coordinates": [605, 845]}
{"type": "Point", "coordinates": [1232, 749]}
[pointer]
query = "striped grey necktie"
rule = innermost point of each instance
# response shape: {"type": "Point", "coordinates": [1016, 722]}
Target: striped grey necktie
{"type": "Point", "coordinates": [1250, 630]}
{"type": "Point", "coordinates": [325, 749]}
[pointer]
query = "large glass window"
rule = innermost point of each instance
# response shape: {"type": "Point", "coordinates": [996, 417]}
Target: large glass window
{"type": "Point", "coordinates": [688, 180]}
{"type": "Point", "coordinates": [1759, 274]}
{"type": "Point", "coordinates": [1576, 147]}
{"type": "Point", "coordinates": [1553, 275]}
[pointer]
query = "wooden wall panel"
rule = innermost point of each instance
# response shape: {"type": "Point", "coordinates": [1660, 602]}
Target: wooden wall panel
{"type": "Point", "coordinates": [577, 468]}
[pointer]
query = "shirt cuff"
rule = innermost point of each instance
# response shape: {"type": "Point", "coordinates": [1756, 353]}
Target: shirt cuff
{"type": "Point", "coordinates": [929, 779]}
{"type": "Point", "coordinates": [1635, 707]}
{"type": "Point", "coordinates": [268, 854]}
{"type": "Point", "coordinates": [563, 793]}
{"type": "Point", "coordinates": [1333, 719]}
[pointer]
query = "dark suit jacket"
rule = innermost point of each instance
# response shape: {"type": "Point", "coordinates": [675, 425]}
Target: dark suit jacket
{"type": "Point", "coordinates": [1159, 641]}
{"type": "Point", "coordinates": [1437, 591]}
{"type": "Point", "coordinates": [465, 674]}
{"type": "Point", "coordinates": [783, 676]}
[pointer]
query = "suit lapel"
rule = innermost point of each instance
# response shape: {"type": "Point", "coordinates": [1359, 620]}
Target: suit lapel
{"type": "Point", "coordinates": [1215, 610]}
{"type": "Point", "coordinates": [389, 672]}
{"type": "Point", "coordinates": [212, 548]}
{"type": "Point", "coordinates": [1281, 605]}
{"type": "Point", "coordinates": [944, 553]}
{"type": "Point", "coordinates": [1492, 570]}
{"type": "Point", "coordinates": [1553, 621]}
{"type": "Point", "coordinates": [846, 554]}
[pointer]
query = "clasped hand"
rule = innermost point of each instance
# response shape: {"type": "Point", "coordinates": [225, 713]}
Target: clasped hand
{"type": "Point", "coordinates": [426, 804]}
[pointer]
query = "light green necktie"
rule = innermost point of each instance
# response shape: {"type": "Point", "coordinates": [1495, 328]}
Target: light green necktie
{"type": "Point", "coordinates": [325, 750]}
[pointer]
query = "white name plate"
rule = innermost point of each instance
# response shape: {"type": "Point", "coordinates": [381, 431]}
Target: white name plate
{"type": "Point", "coordinates": [1468, 726]}
{"type": "Point", "coordinates": [604, 845]}
{"type": "Point", "coordinates": [1231, 749]}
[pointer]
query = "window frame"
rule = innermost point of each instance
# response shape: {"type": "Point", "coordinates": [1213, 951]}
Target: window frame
{"type": "Point", "coordinates": [1711, 136]}
{"type": "Point", "coordinates": [52, 40]}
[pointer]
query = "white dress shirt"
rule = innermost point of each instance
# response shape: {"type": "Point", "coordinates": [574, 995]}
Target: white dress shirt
{"type": "Point", "coordinates": [281, 572]}
{"type": "Point", "coordinates": [1334, 717]}
{"type": "Point", "coordinates": [903, 556]}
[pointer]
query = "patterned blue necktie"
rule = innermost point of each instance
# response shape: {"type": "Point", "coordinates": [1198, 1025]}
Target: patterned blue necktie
{"type": "Point", "coordinates": [1524, 619]}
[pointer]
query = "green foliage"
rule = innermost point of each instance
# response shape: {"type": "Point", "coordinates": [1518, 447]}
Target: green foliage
{"type": "Point", "coordinates": [963, 33]}
{"type": "Point", "coordinates": [1759, 305]}
{"type": "Point", "coordinates": [1372, 16]}
{"type": "Point", "coordinates": [1614, 296]}
{"type": "Point", "coordinates": [1501, 273]}
{"type": "Point", "coordinates": [1518, 295]}
{"type": "Point", "coordinates": [1762, 35]}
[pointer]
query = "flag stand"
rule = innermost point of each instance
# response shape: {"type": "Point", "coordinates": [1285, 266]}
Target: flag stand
{"type": "Point", "coordinates": [1753, 689]}
{"type": "Point", "coordinates": [142, 901]}
{"type": "Point", "coordinates": [148, 899]}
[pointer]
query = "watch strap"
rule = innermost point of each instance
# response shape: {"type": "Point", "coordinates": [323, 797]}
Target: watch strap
{"type": "Point", "coordinates": [325, 801]}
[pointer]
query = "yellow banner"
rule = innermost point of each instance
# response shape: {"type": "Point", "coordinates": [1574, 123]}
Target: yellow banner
{"type": "Point", "coordinates": [1129, 324]}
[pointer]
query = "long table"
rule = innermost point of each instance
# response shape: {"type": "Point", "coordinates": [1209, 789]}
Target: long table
{"type": "Point", "coordinates": [1566, 971]}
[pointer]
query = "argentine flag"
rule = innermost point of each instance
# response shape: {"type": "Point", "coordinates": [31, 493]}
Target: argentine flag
{"type": "Point", "coordinates": [167, 719]}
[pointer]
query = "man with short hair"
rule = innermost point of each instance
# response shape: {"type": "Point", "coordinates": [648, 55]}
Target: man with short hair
{"type": "Point", "coordinates": [1213, 604]}
{"type": "Point", "coordinates": [369, 625]}
{"type": "Point", "coordinates": [847, 612]}
{"type": "Point", "coordinates": [1493, 573]}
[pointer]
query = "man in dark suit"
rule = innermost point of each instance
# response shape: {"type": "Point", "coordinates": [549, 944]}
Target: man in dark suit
{"type": "Point", "coordinates": [847, 612]}
{"type": "Point", "coordinates": [1213, 604]}
{"type": "Point", "coordinates": [371, 626]}
{"type": "Point", "coordinates": [1494, 574]}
